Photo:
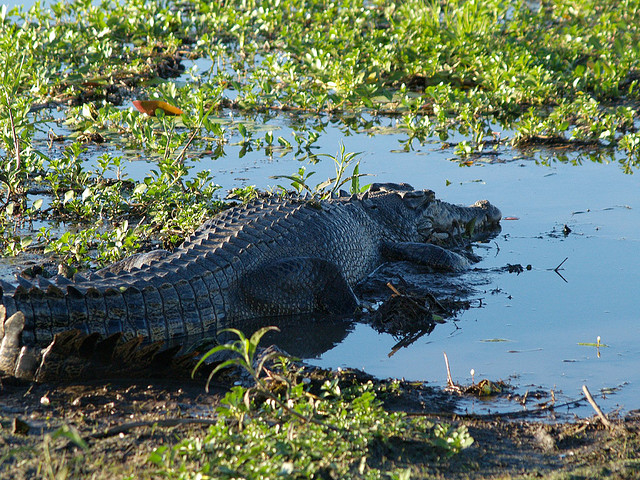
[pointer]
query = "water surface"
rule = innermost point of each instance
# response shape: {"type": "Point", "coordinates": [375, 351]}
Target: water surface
{"type": "Point", "coordinates": [530, 324]}
{"type": "Point", "coordinates": [538, 316]}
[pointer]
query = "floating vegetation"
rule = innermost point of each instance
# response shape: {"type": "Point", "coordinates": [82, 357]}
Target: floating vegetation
{"type": "Point", "coordinates": [491, 74]}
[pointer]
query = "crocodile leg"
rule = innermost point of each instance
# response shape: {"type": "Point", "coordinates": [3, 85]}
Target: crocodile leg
{"type": "Point", "coordinates": [298, 285]}
{"type": "Point", "coordinates": [427, 254]}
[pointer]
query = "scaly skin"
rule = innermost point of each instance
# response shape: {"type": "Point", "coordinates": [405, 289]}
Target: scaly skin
{"type": "Point", "coordinates": [270, 257]}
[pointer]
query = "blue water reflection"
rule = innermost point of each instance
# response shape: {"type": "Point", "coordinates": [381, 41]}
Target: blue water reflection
{"type": "Point", "coordinates": [542, 317]}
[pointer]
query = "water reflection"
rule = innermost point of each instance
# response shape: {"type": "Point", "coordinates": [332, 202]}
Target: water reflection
{"type": "Point", "coordinates": [302, 336]}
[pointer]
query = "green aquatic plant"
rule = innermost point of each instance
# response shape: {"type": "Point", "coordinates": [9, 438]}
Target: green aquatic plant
{"type": "Point", "coordinates": [342, 160]}
{"type": "Point", "coordinates": [487, 73]}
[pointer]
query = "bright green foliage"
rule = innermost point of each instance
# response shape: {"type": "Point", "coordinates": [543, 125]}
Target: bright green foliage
{"type": "Point", "coordinates": [331, 186]}
{"type": "Point", "coordinates": [111, 245]}
{"type": "Point", "coordinates": [270, 443]}
{"type": "Point", "coordinates": [297, 434]}
{"type": "Point", "coordinates": [463, 63]}
{"type": "Point", "coordinates": [490, 73]}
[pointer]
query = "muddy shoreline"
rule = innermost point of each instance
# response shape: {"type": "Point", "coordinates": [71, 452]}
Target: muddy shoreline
{"type": "Point", "coordinates": [124, 421]}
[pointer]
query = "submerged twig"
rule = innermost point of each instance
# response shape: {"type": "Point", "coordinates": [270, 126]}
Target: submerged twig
{"type": "Point", "coordinates": [557, 269]}
{"type": "Point", "coordinates": [561, 263]}
{"type": "Point", "coordinates": [406, 341]}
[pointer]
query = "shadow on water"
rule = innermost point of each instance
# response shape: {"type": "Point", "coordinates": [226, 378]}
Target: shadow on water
{"type": "Point", "coordinates": [301, 336]}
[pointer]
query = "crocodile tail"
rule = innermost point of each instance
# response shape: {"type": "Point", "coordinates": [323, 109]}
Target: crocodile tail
{"type": "Point", "coordinates": [85, 332]}
{"type": "Point", "coordinates": [40, 300]}
{"type": "Point", "coordinates": [52, 307]}
{"type": "Point", "coordinates": [73, 354]}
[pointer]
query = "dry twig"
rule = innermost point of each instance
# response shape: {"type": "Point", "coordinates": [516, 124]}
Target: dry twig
{"type": "Point", "coordinates": [603, 418]}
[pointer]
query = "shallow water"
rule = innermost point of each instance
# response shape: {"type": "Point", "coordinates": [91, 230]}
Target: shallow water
{"type": "Point", "coordinates": [538, 316]}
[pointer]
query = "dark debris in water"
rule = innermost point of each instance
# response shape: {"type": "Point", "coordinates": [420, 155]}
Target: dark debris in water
{"type": "Point", "coordinates": [408, 316]}
{"type": "Point", "coordinates": [413, 300]}
{"type": "Point", "coordinates": [484, 388]}
{"type": "Point", "coordinates": [516, 268]}
{"type": "Point", "coordinates": [405, 313]}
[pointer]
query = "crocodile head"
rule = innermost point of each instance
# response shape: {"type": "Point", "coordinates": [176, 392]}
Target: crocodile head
{"type": "Point", "coordinates": [416, 215]}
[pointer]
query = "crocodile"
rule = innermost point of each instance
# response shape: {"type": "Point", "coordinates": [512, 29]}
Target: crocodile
{"type": "Point", "coordinates": [271, 257]}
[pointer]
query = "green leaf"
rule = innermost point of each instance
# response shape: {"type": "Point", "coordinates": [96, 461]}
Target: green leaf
{"type": "Point", "coordinates": [86, 111]}
{"type": "Point", "coordinates": [209, 353]}
{"type": "Point", "coordinates": [68, 196]}
{"type": "Point", "coordinates": [26, 241]}
{"type": "Point", "coordinates": [157, 456]}
{"type": "Point", "coordinates": [140, 188]}
{"type": "Point", "coordinates": [284, 142]}
{"type": "Point", "coordinates": [355, 179]}
{"type": "Point", "coordinates": [223, 365]}
{"type": "Point", "coordinates": [70, 433]}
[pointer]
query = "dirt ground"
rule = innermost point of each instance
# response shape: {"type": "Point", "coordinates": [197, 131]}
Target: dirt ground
{"type": "Point", "coordinates": [124, 421]}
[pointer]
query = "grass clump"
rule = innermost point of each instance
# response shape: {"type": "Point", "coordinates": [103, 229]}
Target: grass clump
{"type": "Point", "coordinates": [266, 441]}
